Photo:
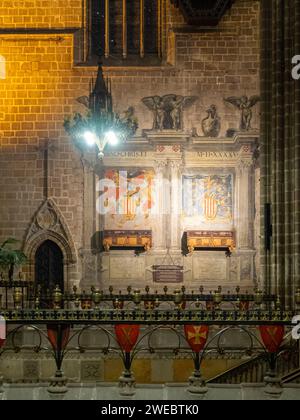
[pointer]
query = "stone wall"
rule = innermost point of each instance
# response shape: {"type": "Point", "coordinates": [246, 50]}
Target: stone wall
{"type": "Point", "coordinates": [39, 14]}
{"type": "Point", "coordinates": [37, 159]}
{"type": "Point", "coordinates": [173, 392]}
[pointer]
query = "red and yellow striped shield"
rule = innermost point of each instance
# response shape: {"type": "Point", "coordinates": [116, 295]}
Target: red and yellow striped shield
{"type": "Point", "coordinates": [272, 336]}
{"type": "Point", "coordinates": [196, 336]}
{"type": "Point", "coordinates": [127, 336]}
{"type": "Point", "coordinates": [210, 207]}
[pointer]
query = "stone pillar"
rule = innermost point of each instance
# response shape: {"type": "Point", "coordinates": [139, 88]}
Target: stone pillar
{"type": "Point", "coordinates": [244, 207]}
{"type": "Point", "coordinates": [89, 206]}
{"type": "Point", "coordinates": [89, 226]}
{"type": "Point", "coordinates": [159, 233]}
{"type": "Point", "coordinates": [176, 204]}
{"type": "Point", "coordinates": [280, 146]}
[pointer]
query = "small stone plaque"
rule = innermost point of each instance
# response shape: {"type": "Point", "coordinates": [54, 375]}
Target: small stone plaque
{"type": "Point", "coordinates": [168, 273]}
{"type": "Point", "coordinates": [212, 269]}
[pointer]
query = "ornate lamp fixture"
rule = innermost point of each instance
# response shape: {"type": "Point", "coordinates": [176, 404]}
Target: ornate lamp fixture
{"type": "Point", "coordinates": [101, 125]}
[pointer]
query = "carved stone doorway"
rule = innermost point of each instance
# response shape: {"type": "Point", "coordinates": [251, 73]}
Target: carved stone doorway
{"type": "Point", "coordinates": [49, 266]}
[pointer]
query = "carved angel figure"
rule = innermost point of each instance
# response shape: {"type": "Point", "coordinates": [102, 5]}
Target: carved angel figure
{"type": "Point", "coordinates": [131, 119]}
{"type": "Point", "coordinates": [168, 110]}
{"type": "Point", "coordinates": [245, 105]}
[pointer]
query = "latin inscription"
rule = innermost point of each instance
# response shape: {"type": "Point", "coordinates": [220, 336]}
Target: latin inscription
{"type": "Point", "coordinates": [127, 154]}
{"type": "Point", "coordinates": [217, 155]}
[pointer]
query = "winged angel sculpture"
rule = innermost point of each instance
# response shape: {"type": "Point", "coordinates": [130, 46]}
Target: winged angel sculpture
{"type": "Point", "coordinates": [245, 105]}
{"type": "Point", "coordinates": [168, 110]}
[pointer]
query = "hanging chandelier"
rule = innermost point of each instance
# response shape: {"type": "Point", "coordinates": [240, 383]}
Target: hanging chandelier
{"type": "Point", "coordinates": [101, 125]}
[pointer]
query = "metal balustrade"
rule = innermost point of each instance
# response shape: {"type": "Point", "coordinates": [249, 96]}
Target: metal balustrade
{"type": "Point", "coordinates": [129, 320]}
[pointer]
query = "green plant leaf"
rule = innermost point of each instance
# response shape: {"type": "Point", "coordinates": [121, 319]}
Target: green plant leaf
{"type": "Point", "coordinates": [9, 241]}
{"type": "Point", "coordinates": [9, 256]}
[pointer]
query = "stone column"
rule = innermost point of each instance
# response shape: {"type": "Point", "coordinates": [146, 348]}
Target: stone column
{"type": "Point", "coordinates": [244, 207]}
{"type": "Point", "coordinates": [159, 232]}
{"type": "Point", "coordinates": [176, 205]}
{"type": "Point", "coordinates": [89, 226]}
{"type": "Point", "coordinates": [280, 145]}
{"type": "Point", "coordinates": [89, 206]}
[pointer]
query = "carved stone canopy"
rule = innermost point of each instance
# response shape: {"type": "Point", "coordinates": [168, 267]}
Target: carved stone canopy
{"type": "Point", "coordinates": [203, 12]}
{"type": "Point", "coordinates": [49, 224]}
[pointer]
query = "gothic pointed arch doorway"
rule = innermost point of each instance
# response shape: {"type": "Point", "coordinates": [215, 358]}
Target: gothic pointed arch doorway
{"type": "Point", "coordinates": [49, 266]}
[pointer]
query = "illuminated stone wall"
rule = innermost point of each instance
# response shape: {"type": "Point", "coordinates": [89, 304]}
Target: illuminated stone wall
{"type": "Point", "coordinates": [40, 14]}
{"type": "Point", "coordinates": [41, 84]}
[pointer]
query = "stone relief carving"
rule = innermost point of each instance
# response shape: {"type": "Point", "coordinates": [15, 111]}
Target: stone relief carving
{"type": "Point", "coordinates": [46, 218]}
{"type": "Point", "coordinates": [245, 270]}
{"type": "Point", "coordinates": [211, 125]}
{"type": "Point", "coordinates": [176, 166]}
{"type": "Point", "coordinates": [245, 105]}
{"type": "Point", "coordinates": [48, 223]}
{"type": "Point", "coordinates": [233, 269]}
{"type": "Point", "coordinates": [90, 269]}
{"type": "Point", "coordinates": [31, 369]}
{"type": "Point", "coordinates": [245, 163]}
{"type": "Point", "coordinates": [91, 370]}
{"type": "Point", "coordinates": [168, 110]}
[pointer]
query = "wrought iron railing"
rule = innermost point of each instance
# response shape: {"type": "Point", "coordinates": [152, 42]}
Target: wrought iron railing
{"type": "Point", "coordinates": [254, 369]}
{"type": "Point", "coordinates": [128, 320]}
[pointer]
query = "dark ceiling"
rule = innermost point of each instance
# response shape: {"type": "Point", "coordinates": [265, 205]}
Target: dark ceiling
{"type": "Point", "coordinates": [203, 12]}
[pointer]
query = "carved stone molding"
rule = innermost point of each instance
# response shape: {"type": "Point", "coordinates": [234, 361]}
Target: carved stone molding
{"type": "Point", "coordinates": [245, 164]}
{"type": "Point", "coordinates": [160, 165]}
{"type": "Point", "coordinates": [176, 165]}
{"type": "Point", "coordinates": [48, 224]}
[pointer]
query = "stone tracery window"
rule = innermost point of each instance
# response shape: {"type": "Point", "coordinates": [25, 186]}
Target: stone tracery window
{"type": "Point", "coordinates": [126, 30]}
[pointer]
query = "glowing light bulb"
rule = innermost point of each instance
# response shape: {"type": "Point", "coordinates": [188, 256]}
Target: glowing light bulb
{"type": "Point", "coordinates": [90, 138]}
{"type": "Point", "coordinates": [111, 138]}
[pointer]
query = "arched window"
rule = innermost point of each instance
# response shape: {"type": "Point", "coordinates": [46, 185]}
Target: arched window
{"type": "Point", "coordinates": [49, 266]}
